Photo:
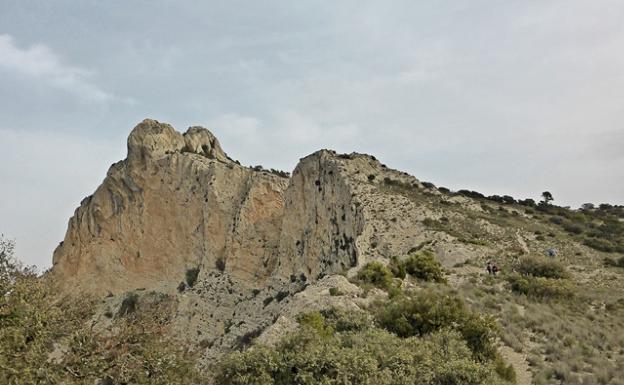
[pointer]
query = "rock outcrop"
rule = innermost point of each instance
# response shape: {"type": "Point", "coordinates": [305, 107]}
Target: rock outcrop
{"type": "Point", "coordinates": [176, 203]}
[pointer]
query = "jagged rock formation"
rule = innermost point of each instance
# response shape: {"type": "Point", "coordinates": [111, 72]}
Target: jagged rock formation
{"type": "Point", "coordinates": [178, 202]}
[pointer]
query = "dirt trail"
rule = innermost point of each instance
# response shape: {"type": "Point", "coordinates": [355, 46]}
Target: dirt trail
{"type": "Point", "coordinates": [519, 363]}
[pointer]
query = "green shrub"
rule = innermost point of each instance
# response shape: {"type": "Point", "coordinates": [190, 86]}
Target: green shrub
{"type": "Point", "coordinates": [505, 371]}
{"type": "Point", "coordinates": [220, 264]}
{"type": "Point", "coordinates": [344, 321]}
{"type": "Point", "coordinates": [540, 287]}
{"type": "Point", "coordinates": [573, 228]}
{"type": "Point", "coordinates": [316, 321]}
{"type": "Point", "coordinates": [542, 267]}
{"type": "Point", "coordinates": [479, 333]}
{"type": "Point", "coordinates": [614, 262]}
{"type": "Point", "coordinates": [129, 304]}
{"type": "Point", "coordinates": [334, 291]}
{"type": "Point", "coordinates": [600, 244]}
{"type": "Point", "coordinates": [191, 276]}
{"type": "Point", "coordinates": [360, 355]}
{"type": "Point", "coordinates": [376, 274]}
{"type": "Point", "coordinates": [425, 312]}
{"type": "Point", "coordinates": [422, 265]}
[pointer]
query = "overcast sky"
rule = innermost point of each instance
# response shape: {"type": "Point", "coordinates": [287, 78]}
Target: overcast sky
{"type": "Point", "coordinates": [503, 97]}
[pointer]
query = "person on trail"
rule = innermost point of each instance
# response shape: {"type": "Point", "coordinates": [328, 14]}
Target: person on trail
{"type": "Point", "coordinates": [495, 269]}
{"type": "Point", "coordinates": [489, 268]}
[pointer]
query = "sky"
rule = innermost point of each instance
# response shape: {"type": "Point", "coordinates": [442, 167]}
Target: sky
{"type": "Point", "coordinates": [499, 96]}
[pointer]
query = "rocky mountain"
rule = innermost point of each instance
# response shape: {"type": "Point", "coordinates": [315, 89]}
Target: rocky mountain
{"type": "Point", "coordinates": [241, 252]}
{"type": "Point", "coordinates": [178, 202]}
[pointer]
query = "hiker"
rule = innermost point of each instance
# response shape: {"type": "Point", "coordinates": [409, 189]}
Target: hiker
{"type": "Point", "coordinates": [489, 268]}
{"type": "Point", "coordinates": [495, 269]}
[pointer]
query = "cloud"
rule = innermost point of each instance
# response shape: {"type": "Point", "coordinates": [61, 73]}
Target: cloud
{"type": "Point", "coordinates": [40, 62]}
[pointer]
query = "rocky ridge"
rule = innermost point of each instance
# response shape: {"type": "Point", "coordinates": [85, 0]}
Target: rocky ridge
{"type": "Point", "coordinates": [241, 251]}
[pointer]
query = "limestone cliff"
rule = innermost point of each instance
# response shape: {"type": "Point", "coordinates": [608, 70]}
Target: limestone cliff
{"type": "Point", "coordinates": [178, 202]}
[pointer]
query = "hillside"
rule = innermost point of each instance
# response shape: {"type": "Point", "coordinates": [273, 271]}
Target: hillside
{"type": "Point", "coordinates": [186, 267]}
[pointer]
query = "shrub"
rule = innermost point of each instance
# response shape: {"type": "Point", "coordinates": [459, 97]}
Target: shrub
{"type": "Point", "coordinates": [572, 228]}
{"type": "Point", "coordinates": [599, 244]}
{"type": "Point", "coordinates": [422, 265]}
{"type": "Point", "coordinates": [479, 334]}
{"type": "Point", "coordinates": [129, 304]}
{"type": "Point", "coordinates": [614, 262]}
{"type": "Point", "coordinates": [539, 287]}
{"type": "Point", "coordinates": [191, 276]}
{"type": "Point", "coordinates": [556, 220]}
{"type": "Point", "coordinates": [345, 321]}
{"type": "Point", "coordinates": [316, 321]}
{"type": "Point", "coordinates": [334, 291]}
{"type": "Point", "coordinates": [471, 194]}
{"type": "Point", "coordinates": [541, 267]}
{"type": "Point", "coordinates": [505, 371]}
{"type": "Point", "coordinates": [376, 274]}
{"type": "Point", "coordinates": [425, 312]}
{"type": "Point", "coordinates": [281, 295]}
{"type": "Point", "coordinates": [527, 202]}
{"type": "Point", "coordinates": [220, 264]}
{"type": "Point", "coordinates": [365, 355]}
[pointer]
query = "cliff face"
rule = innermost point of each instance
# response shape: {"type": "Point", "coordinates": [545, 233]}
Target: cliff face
{"type": "Point", "coordinates": [177, 202]}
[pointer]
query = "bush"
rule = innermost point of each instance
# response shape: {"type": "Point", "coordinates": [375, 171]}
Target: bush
{"type": "Point", "coordinates": [527, 202]}
{"type": "Point", "coordinates": [600, 244]}
{"type": "Point", "coordinates": [541, 267]}
{"type": "Point", "coordinates": [129, 304]}
{"type": "Point", "coordinates": [426, 312]}
{"type": "Point", "coordinates": [376, 274]}
{"type": "Point", "coordinates": [345, 321]}
{"type": "Point", "coordinates": [614, 262]}
{"type": "Point", "coordinates": [134, 350]}
{"type": "Point", "coordinates": [220, 264]}
{"type": "Point", "coordinates": [191, 276]}
{"type": "Point", "coordinates": [505, 371]}
{"type": "Point", "coordinates": [334, 291]}
{"type": "Point", "coordinates": [422, 265]}
{"type": "Point", "coordinates": [540, 287]}
{"type": "Point", "coordinates": [573, 228]}
{"type": "Point", "coordinates": [362, 355]}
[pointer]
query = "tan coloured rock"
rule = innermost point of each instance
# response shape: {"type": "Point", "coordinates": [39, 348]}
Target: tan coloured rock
{"type": "Point", "coordinates": [179, 202]}
{"type": "Point", "coordinates": [163, 211]}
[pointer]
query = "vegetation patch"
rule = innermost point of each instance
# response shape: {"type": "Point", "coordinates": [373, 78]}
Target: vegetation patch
{"type": "Point", "coordinates": [426, 311]}
{"type": "Point", "coordinates": [542, 267]}
{"type": "Point", "coordinates": [422, 265]}
{"type": "Point", "coordinates": [540, 287]}
{"type": "Point", "coordinates": [191, 276]}
{"type": "Point", "coordinates": [376, 274]}
{"type": "Point", "coordinates": [335, 347]}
